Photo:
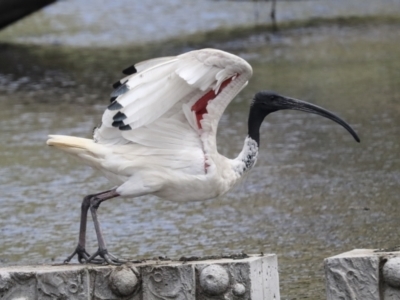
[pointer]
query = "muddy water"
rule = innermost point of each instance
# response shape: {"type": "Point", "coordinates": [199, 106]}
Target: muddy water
{"type": "Point", "coordinates": [314, 193]}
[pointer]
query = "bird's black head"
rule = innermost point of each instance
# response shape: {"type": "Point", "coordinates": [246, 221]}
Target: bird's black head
{"type": "Point", "coordinates": [267, 102]}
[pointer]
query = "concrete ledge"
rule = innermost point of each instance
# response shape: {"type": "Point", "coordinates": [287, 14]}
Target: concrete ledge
{"type": "Point", "coordinates": [254, 277]}
{"type": "Point", "coordinates": [363, 274]}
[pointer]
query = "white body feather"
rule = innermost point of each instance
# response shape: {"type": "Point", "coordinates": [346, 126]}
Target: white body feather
{"type": "Point", "coordinates": [167, 151]}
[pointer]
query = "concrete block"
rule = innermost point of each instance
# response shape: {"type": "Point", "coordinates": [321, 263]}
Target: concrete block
{"type": "Point", "coordinates": [251, 278]}
{"type": "Point", "coordinates": [44, 282]}
{"type": "Point", "coordinates": [173, 281]}
{"type": "Point", "coordinates": [363, 274]}
{"type": "Point", "coordinates": [112, 283]}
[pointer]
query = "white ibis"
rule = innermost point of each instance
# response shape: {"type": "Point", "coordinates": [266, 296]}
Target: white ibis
{"type": "Point", "coordinates": [158, 135]}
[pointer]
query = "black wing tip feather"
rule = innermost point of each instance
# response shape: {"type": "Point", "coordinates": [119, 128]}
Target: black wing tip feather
{"type": "Point", "coordinates": [130, 70]}
{"type": "Point", "coordinates": [119, 116]}
{"type": "Point", "coordinates": [119, 90]}
{"type": "Point", "coordinates": [117, 84]}
{"type": "Point", "coordinates": [125, 128]}
{"type": "Point", "coordinates": [117, 124]}
{"type": "Point", "coordinates": [115, 106]}
{"type": "Point", "coordinates": [121, 126]}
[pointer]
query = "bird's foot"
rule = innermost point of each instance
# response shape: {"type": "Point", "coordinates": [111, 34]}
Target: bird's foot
{"type": "Point", "coordinates": [105, 258]}
{"type": "Point", "coordinates": [83, 256]}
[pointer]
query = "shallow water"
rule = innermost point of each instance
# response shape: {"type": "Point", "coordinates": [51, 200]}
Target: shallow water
{"type": "Point", "coordinates": [314, 193]}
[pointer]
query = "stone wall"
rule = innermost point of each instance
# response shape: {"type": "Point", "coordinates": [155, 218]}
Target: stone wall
{"type": "Point", "coordinates": [255, 277]}
{"type": "Point", "coordinates": [363, 274]}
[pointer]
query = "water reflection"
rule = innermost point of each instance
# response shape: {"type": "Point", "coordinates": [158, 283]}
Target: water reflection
{"type": "Point", "coordinates": [314, 192]}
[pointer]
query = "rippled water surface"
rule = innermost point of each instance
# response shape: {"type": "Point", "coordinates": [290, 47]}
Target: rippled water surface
{"type": "Point", "coordinates": [314, 193]}
{"type": "Point", "coordinates": [114, 23]}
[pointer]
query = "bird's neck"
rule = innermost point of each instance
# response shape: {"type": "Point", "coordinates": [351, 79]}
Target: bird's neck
{"type": "Point", "coordinates": [247, 157]}
{"type": "Point", "coordinates": [256, 117]}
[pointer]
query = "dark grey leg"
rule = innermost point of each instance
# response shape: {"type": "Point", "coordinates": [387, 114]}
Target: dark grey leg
{"type": "Point", "coordinates": [88, 201]}
{"type": "Point", "coordinates": [102, 251]}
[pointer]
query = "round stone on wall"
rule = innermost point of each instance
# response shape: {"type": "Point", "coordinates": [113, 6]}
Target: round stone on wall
{"type": "Point", "coordinates": [391, 272]}
{"type": "Point", "coordinates": [214, 280]}
{"type": "Point", "coordinates": [123, 281]}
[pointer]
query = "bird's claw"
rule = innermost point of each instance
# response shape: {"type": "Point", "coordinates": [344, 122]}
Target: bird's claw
{"type": "Point", "coordinates": [106, 258]}
{"type": "Point", "coordinates": [85, 257]}
{"type": "Point", "coordinates": [80, 252]}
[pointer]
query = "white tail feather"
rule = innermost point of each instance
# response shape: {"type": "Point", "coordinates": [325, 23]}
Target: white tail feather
{"type": "Point", "coordinates": [82, 148]}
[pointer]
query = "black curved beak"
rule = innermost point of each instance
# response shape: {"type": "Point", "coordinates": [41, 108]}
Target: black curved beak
{"type": "Point", "coordinates": [291, 103]}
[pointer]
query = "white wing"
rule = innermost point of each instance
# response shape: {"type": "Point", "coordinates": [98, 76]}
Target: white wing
{"type": "Point", "coordinates": [173, 103]}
